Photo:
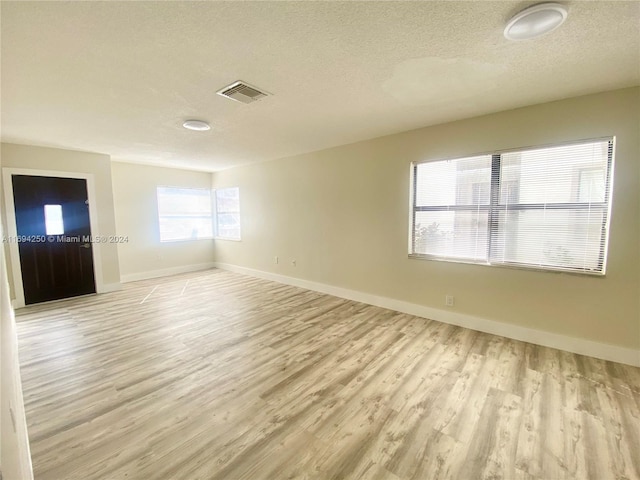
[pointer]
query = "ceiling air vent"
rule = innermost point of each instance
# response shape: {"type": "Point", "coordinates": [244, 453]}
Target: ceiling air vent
{"type": "Point", "coordinates": [241, 92]}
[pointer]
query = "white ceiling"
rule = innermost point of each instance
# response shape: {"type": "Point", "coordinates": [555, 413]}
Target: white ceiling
{"type": "Point", "coordinates": [120, 77]}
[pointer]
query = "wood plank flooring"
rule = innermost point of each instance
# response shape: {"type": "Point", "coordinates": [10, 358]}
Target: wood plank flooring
{"type": "Point", "coordinates": [216, 375]}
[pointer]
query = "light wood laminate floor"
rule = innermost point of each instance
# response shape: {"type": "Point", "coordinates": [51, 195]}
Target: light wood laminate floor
{"type": "Point", "coordinates": [216, 375]}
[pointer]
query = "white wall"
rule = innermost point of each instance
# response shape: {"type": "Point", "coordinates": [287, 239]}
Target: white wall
{"type": "Point", "coordinates": [15, 461]}
{"type": "Point", "coordinates": [136, 213]}
{"type": "Point", "coordinates": [343, 214]}
{"type": "Point", "coordinates": [54, 159]}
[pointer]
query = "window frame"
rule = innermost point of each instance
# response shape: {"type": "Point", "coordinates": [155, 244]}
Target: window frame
{"type": "Point", "coordinates": [215, 213]}
{"type": "Point", "coordinates": [178, 187]}
{"type": "Point", "coordinates": [495, 207]}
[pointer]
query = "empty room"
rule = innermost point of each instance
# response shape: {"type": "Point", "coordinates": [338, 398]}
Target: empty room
{"type": "Point", "coordinates": [320, 240]}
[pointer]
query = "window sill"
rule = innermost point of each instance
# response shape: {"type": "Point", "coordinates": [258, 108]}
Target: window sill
{"type": "Point", "coordinates": [182, 240]}
{"type": "Point", "coordinates": [228, 239]}
{"type": "Point", "coordinates": [530, 268]}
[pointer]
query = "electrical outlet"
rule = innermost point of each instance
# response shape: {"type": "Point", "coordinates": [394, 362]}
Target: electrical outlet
{"type": "Point", "coordinates": [448, 300]}
{"type": "Point", "coordinates": [275, 260]}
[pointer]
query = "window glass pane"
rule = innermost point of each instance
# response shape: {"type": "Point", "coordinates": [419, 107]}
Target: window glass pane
{"type": "Point", "coordinates": [172, 200]}
{"type": "Point", "coordinates": [228, 200]}
{"type": "Point", "coordinates": [460, 234]}
{"type": "Point", "coordinates": [54, 224]}
{"type": "Point", "coordinates": [228, 213]}
{"type": "Point", "coordinates": [184, 213]}
{"type": "Point", "coordinates": [229, 225]}
{"type": "Point", "coordinates": [178, 227]}
{"type": "Point", "coordinates": [564, 238]}
{"type": "Point", "coordinates": [562, 174]}
{"type": "Point", "coordinates": [592, 185]}
{"type": "Point", "coordinates": [465, 181]}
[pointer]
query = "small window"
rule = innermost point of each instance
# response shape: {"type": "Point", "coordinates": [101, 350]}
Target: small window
{"type": "Point", "coordinates": [53, 222]}
{"type": "Point", "coordinates": [184, 214]}
{"type": "Point", "coordinates": [545, 208]}
{"type": "Point", "coordinates": [228, 213]}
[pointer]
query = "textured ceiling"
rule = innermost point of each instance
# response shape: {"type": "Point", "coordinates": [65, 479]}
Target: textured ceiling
{"type": "Point", "coordinates": [120, 77]}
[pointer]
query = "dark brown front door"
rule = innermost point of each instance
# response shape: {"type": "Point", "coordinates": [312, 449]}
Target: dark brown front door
{"type": "Point", "coordinates": [54, 235]}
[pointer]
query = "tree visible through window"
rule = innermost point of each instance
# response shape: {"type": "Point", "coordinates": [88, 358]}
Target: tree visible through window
{"type": "Point", "coordinates": [542, 207]}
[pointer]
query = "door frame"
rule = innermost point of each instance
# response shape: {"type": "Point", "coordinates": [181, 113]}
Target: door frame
{"type": "Point", "coordinates": [14, 252]}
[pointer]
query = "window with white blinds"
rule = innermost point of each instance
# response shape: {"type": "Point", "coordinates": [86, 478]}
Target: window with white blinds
{"type": "Point", "coordinates": [227, 213]}
{"type": "Point", "coordinates": [184, 213]}
{"type": "Point", "coordinates": [545, 208]}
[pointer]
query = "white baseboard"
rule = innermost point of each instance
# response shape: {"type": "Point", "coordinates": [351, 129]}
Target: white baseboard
{"type": "Point", "coordinates": [165, 272]}
{"type": "Point", "coordinates": [110, 287]}
{"type": "Point", "coordinates": [581, 346]}
{"type": "Point", "coordinates": [16, 304]}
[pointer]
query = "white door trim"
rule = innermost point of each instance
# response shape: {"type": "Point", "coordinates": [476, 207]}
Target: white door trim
{"type": "Point", "coordinates": [14, 253]}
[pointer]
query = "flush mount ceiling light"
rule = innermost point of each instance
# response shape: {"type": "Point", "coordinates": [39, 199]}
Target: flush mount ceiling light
{"type": "Point", "coordinates": [535, 20]}
{"type": "Point", "coordinates": [197, 125]}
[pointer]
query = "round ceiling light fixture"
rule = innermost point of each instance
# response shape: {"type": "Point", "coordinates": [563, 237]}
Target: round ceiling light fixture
{"type": "Point", "coordinates": [197, 125]}
{"type": "Point", "coordinates": [535, 20]}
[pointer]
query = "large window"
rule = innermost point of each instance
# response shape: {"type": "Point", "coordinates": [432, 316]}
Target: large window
{"type": "Point", "coordinates": [228, 213]}
{"type": "Point", "coordinates": [184, 213]}
{"type": "Point", "coordinates": [544, 208]}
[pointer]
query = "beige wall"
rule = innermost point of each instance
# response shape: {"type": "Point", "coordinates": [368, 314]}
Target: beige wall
{"type": "Point", "coordinates": [15, 461]}
{"type": "Point", "coordinates": [53, 159]}
{"type": "Point", "coordinates": [343, 215]}
{"type": "Point", "coordinates": [136, 210]}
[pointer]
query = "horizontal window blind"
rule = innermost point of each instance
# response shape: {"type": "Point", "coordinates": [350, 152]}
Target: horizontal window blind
{"type": "Point", "coordinates": [451, 211]}
{"type": "Point", "coordinates": [545, 207]}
